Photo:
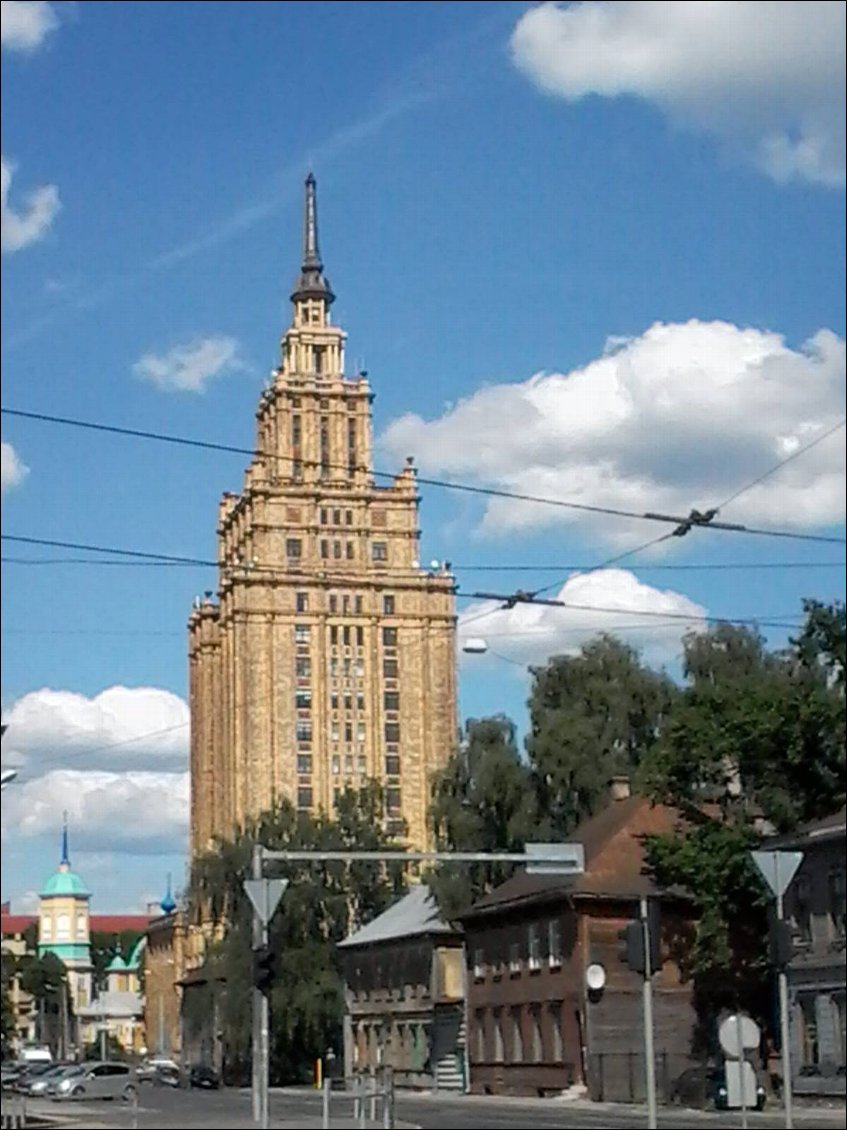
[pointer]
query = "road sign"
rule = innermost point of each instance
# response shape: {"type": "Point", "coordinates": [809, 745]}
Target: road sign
{"type": "Point", "coordinates": [778, 868]}
{"type": "Point", "coordinates": [559, 859]}
{"type": "Point", "coordinates": [265, 895]}
{"type": "Point", "coordinates": [739, 1034]}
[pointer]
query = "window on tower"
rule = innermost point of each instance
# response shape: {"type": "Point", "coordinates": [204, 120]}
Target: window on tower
{"type": "Point", "coordinates": [304, 796]}
{"type": "Point", "coordinates": [391, 700]}
{"type": "Point", "coordinates": [393, 800]}
{"type": "Point", "coordinates": [336, 550]}
{"type": "Point", "coordinates": [379, 551]}
{"type": "Point", "coordinates": [351, 550]}
{"type": "Point", "coordinates": [303, 700]}
{"type": "Point", "coordinates": [392, 765]}
{"type": "Point", "coordinates": [302, 602]}
{"type": "Point", "coordinates": [324, 549]}
{"type": "Point", "coordinates": [389, 637]}
{"type": "Point", "coordinates": [304, 763]}
{"type": "Point", "coordinates": [293, 547]}
{"type": "Point", "coordinates": [392, 731]}
{"type": "Point", "coordinates": [301, 633]}
{"type": "Point", "coordinates": [388, 604]}
{"type": "Point", "coordinates": [324, 447]}
{"type": "Point", "coordinates": [304, 732]}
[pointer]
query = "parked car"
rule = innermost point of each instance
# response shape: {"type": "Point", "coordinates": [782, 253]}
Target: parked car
{"type": "Point", "coordinates": [47, 1083]}
{"type": "Point", "coordinates": [148, 1069]}
{"type": "Point", "coordinates": [705, 1085]}
{"type": "Point", "coordinates": [99, 1081]}
{"type": "Point", "coordinates": [9, 1075]}
{"type": "Point", "coordinates": [36, 1082]}
{"type": "Point", "coordinates": [203, 1077]}
{"type": "Point", "coordinates": [27, 1072]}
{"type": "Point", "coordinates": [167, 1076]}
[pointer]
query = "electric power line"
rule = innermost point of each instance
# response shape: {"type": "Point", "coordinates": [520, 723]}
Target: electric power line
{"type": "Point", "coordinates": [682, 523]}
{"type": "Point", "coordinates": [778, 466]}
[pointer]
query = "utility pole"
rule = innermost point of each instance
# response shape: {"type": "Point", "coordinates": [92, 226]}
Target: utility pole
{"type": "Point", "coordinates": [647, 992]}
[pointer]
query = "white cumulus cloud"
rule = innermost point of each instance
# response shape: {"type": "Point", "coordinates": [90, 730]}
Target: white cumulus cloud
{"type": "Point", "coordinates": [764, 77]}
{"type": "Point", "coordinates": [19, 227]}
{"type": "Point", "coordinates": [25, 24]}
{"type": "Point", "coordinates": [13, 470]}
{"type": "Point", "coordinates": [190, 366]}
{"type": "Point", "coordinates": [613, 601]}
{"type": "Point", "coordinates": [679, 417]}
{"type": "Point", "coordinates": [134, 812]}
{"type": "Point", "coordinates": [121, 728]}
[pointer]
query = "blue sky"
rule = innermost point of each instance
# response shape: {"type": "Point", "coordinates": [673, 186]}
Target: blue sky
{"type": "Point", "coordinates": [589, 252]}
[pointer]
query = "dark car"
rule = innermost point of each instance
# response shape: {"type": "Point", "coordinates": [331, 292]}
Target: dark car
{"type": "Point", "coordinates": [706, 1086]}
{"type": "Point", "coordinates": [167, 1075]}
{"type": "Point", "coordinates": [203, 1077]}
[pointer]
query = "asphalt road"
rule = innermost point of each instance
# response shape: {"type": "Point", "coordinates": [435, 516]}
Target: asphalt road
{"type": "Point", "coordinates": [192, 1110]}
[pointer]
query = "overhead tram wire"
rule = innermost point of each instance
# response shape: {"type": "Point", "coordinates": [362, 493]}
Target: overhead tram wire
{"type": "Point", "coordinates": [693, 519]}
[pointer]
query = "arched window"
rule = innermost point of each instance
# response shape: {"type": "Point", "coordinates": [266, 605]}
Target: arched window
{"type": "Point", "coordinates": [46, 928]}
{"type": "Point", "coordinates": [63, 926]}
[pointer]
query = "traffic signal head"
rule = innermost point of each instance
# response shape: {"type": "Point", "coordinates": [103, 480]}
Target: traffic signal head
{"type": "Point", "coordinates": [632, 950]}
{"type": "Point", "coordinates": [264, 968]}
{"type": "Point", "coordinates": [780, 944]}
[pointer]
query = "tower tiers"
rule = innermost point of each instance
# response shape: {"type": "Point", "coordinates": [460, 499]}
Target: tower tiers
{"type": "Point", "coordinates": [329, 659]}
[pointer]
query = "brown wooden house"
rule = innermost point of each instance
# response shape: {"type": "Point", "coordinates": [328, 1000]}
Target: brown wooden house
{"type": "Point", "coordinates": [534, 1027]}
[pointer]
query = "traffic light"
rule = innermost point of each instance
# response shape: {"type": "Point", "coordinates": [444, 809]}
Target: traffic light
{"type": "Point", "coordinates": [264, 968]}
{"type": "Point", "coordinates": [780, 944]}
{"type": "Point", "coordinates": [632, 936]}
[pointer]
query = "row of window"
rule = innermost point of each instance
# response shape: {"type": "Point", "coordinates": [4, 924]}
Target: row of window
{"type": "Point", "coordinates": [303, 634]}
{"type": "Point", "coordinates": [393, 801]}
{"type": "Point", "coordinates": [347, 604]}
{"type": "Point", "coordinates": [532, 954]}
{"type": "Point", "coordinates": [335, 549]}
{"type": "Point", "coordinates": [305, 764]}
{"type": "Point", "coordinates": [522, 1034]}
{"type": "Point", "coordinates": [296, 402]}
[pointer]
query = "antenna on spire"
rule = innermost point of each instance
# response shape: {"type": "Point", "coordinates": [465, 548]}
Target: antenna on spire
{"type": "Point", "coordinates": [65, 861]}
{"type": "Point", "coordinates": [311, 283]}
{"type": "Point", "coordinates": [311, 254]}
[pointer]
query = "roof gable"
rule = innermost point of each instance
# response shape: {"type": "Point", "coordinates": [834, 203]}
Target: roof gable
{"type": "Point", "coordinates": [414, 915]}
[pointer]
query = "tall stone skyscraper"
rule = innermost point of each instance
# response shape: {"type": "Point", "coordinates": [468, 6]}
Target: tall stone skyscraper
{"type": "Point", "coordinates": [330, 657]}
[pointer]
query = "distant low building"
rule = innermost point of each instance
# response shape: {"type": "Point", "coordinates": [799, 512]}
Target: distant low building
{"type": "Point", "coordinates": [404, 996]}
{"type": "Point", "coordinates": [816, 905]}
{"type": "Point", "coordinates": [535, 1026]}
{"type": "Point", "coordinates": [63, 927]}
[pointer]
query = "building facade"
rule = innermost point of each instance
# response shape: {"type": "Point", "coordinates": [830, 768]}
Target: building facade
{"type": "Point", "coordinates": [816, 904]}
{"type": "Point", "coordinates": [534, 1025]}
{"type": "Point", "coordinates": [404, 996]}
{"type": "Point", "coordinates": [329, 657]}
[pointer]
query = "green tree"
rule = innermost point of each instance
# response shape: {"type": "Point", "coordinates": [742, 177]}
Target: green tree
{"type": "Point", "coordinates": [593, 716]}
{"type": "Point", "coordinates": [755, 738]}
{"type": "Point", "coordinates": [322, 904]}
{"type": "Point", "coordinates": [7, 1013]}
{"type": "Point", "coordinates": [46, 980]}
{"type": "Point", "coordinates": [483, 800]}
{"type": "Point", "coordinates": [761, 728]}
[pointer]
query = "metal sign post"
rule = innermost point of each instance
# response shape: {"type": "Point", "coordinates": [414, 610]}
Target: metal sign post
{"type": "Point", "coordinates": [778, 868]}
{"type": "Point", "coordinates": [649, 1051]}
{"type": "Point", "coordinates": [265, 895]}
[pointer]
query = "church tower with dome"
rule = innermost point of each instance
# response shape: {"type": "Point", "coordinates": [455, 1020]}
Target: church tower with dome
{"type": "Point", "coordinates": [64, 926]}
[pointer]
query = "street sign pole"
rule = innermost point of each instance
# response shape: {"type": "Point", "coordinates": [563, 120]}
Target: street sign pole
{"type": "Point", "coordinates": [784, 1027]}
{"type": "Point", "coordinates": [778, 868]}
{"type": "Point", "coordinates": [649, 1051]}
{"type": "Point", "coordinates": [260, 1003]}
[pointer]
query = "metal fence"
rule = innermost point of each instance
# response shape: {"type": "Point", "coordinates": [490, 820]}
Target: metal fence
{"type": "Point", "coordinates": [371, 1096]}
{"type": "Point", "coordinates": [13, 1111]}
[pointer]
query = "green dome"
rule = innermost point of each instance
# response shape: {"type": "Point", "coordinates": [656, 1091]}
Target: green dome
{"type": "Point", "coordinates": [64, 883]}
{"type": "Point", "coordinates": [116, 965]}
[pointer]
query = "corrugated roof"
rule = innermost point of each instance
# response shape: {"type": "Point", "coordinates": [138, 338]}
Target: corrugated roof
{"type": "Point", "coordinates": [415, 914]}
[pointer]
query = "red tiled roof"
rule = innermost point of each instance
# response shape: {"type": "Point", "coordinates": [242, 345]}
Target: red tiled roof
{"type": "Point", "coordinates": [98, 923]}
{"type": "Point", "coordinates": [117, 923]}
{"type": "Point", "coordinates": [16, 923]}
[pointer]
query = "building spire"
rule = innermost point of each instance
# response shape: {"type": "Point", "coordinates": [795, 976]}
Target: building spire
{"type": "Point", "coordinates": [65, 861]}
{"type": "Point", "coordinates": [311, 283]}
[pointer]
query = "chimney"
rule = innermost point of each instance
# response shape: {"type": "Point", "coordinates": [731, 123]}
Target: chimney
{"type": "Point", "coordinates": [619, 789]}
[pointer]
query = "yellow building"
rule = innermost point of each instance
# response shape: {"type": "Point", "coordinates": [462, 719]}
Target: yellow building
{"type": "Point", "coordinates": [330, 657]}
